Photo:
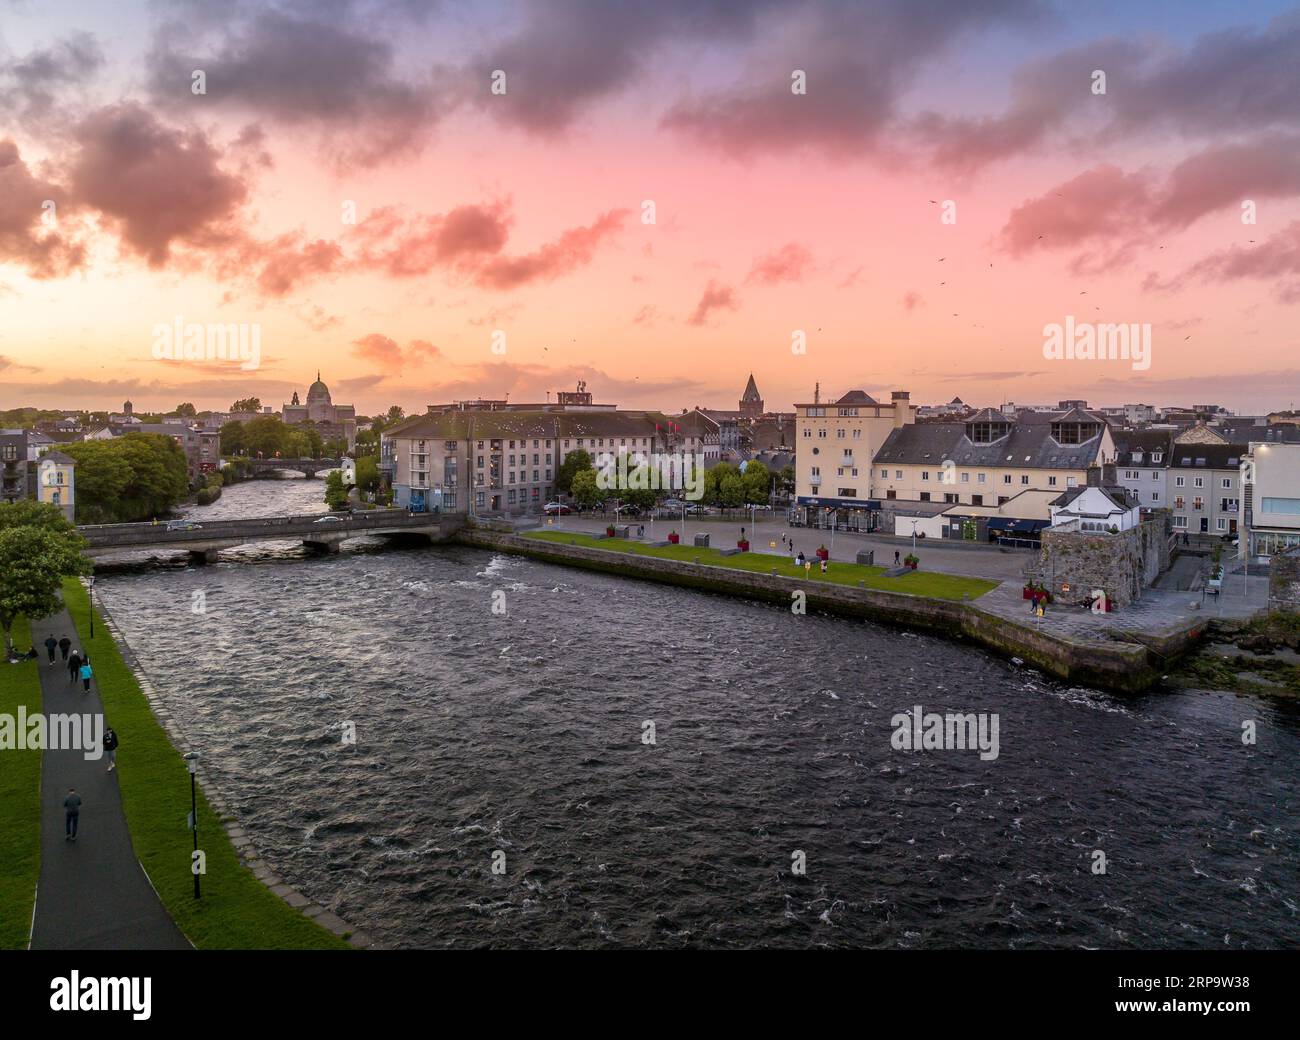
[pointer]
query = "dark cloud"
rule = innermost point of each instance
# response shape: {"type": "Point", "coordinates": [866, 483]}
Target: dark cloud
{"type": "Point", "coordinates": [320, 70]}
{"type": "Point", "coordinates": [571, 53]}
{"type": "Point", "coordinates": [159, 185]}
{"type": "Point", "coordinates": [859, 56]}
{"type": "Point", "coordinates": [32, 87]}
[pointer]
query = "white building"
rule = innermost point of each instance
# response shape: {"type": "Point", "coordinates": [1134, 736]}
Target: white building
{"type": "Point", "coordinates": [1093, 509]}
{"type": "Point", "coordinates": [1270, 500]}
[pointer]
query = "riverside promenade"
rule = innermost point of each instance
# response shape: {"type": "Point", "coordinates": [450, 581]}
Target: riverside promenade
{"type": "Point", "coordinates": [93, 894]}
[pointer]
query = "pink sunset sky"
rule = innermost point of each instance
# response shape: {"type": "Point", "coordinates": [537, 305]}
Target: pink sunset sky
{"type": "Point", "coordinates": [523, 213]}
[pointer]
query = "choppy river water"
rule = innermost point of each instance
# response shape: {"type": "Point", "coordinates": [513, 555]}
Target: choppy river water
{"type": "Point", "coordinates": [522, 734]}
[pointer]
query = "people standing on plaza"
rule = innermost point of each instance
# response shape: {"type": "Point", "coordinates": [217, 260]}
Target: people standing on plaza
{"type": "Point", "coordinates": [110, 747]}
{"type": "Point", "coordinates": [72, 814]}
{"type": "Point", "coordinates": [823, 564]}
{"type": "Point", "coordinates": [74, 666]}
{"type": "Point", "coordinates": [65, 644]}
{"type": "Point", "coordinates": [86, 674]}
{"type": "Point", "coordinates": [51, 644]}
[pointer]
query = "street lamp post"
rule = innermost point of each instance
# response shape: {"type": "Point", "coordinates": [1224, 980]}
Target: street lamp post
{"type": "Point", "coordinates": [913, 537]}
{"type": "Point", "coordinates": [193, 759]}
{"type": "Point", "coordinates": [92, 606]}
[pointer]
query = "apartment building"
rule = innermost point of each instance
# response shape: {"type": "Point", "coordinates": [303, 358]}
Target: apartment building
{"type": "Point", "coordinates": [835, 443]}
{"type": "Point", "coordinates": [1270, 500]}
{"type": "Point", "coordinates": [1142, 460]}
{"type": "Point", "coordinates": [31, 469]}
{"type": "Point", "coordinates": [990, 457]}
{"type": "Point", "coordinates": [505, 461]}
{"type": "Point", "coordinates": [1204, 488]}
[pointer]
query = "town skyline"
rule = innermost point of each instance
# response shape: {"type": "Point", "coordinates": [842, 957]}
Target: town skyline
{"type": "Point", "coordinates": [910, 211]}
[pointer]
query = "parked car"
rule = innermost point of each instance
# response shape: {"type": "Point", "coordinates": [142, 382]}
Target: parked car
{"type": "Point", "coordinates": [556, 509]}
{"type": "Point", "coordinates": [326, 519]}
{"type": "Point", "coordinates": [696, 509]}
{"type": "Point", "coordinates": [182, 525]}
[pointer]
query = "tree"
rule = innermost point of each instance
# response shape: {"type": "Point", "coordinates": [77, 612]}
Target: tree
{"type": "Point", "coordinates": [232, 437]}
{"type": "Point", "coordinates": [577, 460]}
{"type": "Point", "coordinates": [187, 409]}
{"type": "Point", "coordinates": [757, 480]}
{"type": "Point", "coordinates": [265, 435]}
{"type": "Point", "coordinates": [247, 404]}
{"type": "Point", "coordinates": [128, 478]}
{"type": "Point", "coordinates": [336, 492]}
{"type": "Point", "coordinates": [38, 549]}
{"type": "Point", "coordinates": [731, 490]}
{"type": "Point", "coordinates": [368, 473]}
{"type": "Point", "coordinates": [583, 488]}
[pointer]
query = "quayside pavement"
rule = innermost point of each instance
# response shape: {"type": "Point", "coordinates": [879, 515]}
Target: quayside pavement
{"type": "Point", "coordinates": [92, 894]}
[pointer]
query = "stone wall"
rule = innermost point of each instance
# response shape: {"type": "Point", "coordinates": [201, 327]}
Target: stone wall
{"type": "Point", "coordinates": [1284, 581]}
{"type": "Point", "coordinates": [1123, 666]}
{"type": "Point", "coordinates": [1122, 564]}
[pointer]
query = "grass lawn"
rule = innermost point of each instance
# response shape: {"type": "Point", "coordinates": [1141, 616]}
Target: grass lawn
{"type": "Point", "coordinates": [236, 911]}
{"type": "Point", "coordinates": [20, 802]}
{"type": "Point", "coordinates": [918, 583]}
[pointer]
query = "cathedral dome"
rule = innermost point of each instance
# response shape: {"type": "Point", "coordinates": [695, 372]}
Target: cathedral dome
{"type": "Point", "coordinates": [318, 391]}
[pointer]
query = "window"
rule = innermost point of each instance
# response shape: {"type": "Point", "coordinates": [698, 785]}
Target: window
{"type": "Point", "coordinates": [1198, 503]}
{"type": "Point", "coordinates": [848, 492]}
{"type": "Point", "coordinates": [1226, 484]}
{"type": "Point", "coordinates": [822, 433]}
{"type": "Point", "coordinates": [1180, 521]}
{"type": "Point", "coordinates": [1280, 505]}
{"type": "Point", "coordinates": [1178, 502]}
{"type": "Point", "coordinates": [925, 496]}
{"type": "Point", "coordinates": [1157, 457]}
{"type": "Point", "coordinates": [1198, 482]}
{"type": "Point", "coordinates": [884, 474]}
{"type": "Point", "coordinates": [1024, 478]}
{"type": "Point", "coordinates": [816, 471]}
{"type": "Point", "coordinates": [925, 474]}
{"type": "Point", "coordinates": [977, 500]}
{"type": "Point", "coordinates": [1006, 478]}
{"type": "Point", "coordinates": [980, 479]}
{"type": "Point", "coordinates": [1155, 496]}
{"type": "Point", "coordinates": [1155, 476]}
{"type": "Point", "coordinates": [807, 432]}
{"type": "Point", "coordinates": [1180, 481]}
{"type": "Point", "coordinates": [1071, 482]}
{"type": "Point", "coordinates": [839, 433]}
{"type": "Point", "coordinates": [965, 478]}
{"type": "Point", "coordinates": [857, 435]}
{"type": "Point", "coordinates": [1051, 482]}
{"type": "Point", "coordinates": [898, 474]}
{"type": "Point", "coordinates": [1221, 524]}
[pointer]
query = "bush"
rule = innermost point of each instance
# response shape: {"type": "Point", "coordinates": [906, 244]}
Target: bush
{"type": "Point", "coordinates": [207, 496]}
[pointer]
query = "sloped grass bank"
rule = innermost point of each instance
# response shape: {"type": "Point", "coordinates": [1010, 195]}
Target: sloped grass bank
{"type": "Point", "coordinates": [236, 910]}
{"type": "Point", "coordinates": [20, 801]}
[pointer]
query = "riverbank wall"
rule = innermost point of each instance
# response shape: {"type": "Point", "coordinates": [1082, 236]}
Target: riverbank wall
{"type": "Point", "coordinates": [1124, 666]}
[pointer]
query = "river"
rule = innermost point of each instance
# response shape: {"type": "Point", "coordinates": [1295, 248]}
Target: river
{"type": "Point", "coordinates": [518, 738]}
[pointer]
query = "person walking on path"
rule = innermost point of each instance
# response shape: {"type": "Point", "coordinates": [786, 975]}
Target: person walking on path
{"type": "Point", "coordinates": [896, 558]}
{"type": "Point", "coordinates": [74, 667]}
{"type": "Point", "coordinates": [86, 675]}
{"type": "Point", "coordinates": [65, 644]}
{"type": "Point", "coordinates": [72, 814]}
{"type": "Point", "coordinates": [51, 644]}
{"type": "Point", "coordinates": [110, 747]}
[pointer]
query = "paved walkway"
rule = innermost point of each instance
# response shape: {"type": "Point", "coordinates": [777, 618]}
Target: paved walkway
{"type": "Point", "coordinates": [93, 894]}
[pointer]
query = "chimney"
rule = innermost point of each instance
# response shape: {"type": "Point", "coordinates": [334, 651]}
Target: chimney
{"type": "Point", "coordinates": [902, 407]}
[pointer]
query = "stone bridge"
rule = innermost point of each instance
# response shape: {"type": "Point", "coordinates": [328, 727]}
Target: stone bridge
{"type": "Point", "coordinates": [203, 541]}
{"type": "Point", "coordinates": [307, 467]}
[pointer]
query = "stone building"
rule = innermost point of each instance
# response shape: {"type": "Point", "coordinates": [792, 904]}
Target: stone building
{"type": "Point", "coordinates": [331, 420]}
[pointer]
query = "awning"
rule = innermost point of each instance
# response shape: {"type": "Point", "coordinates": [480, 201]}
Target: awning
{"type": "Point", "coordinates": [1006, 523]}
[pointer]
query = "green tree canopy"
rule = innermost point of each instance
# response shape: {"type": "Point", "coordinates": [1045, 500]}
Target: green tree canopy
{"type": "Point", "coordinates": [128, 478]}
{"type": "Point", "coordinates": [186, 409]}
{"type": "Point", "coordinates": [577, 460]}
{"type": "Point", "coordinates": [247, 404]}
{"type": "Point", "coordinates": [38, 549]}
{"type": "Point", "coordinates": [232, 437]}
{"type": "Point", "coordinates": [584, 490]}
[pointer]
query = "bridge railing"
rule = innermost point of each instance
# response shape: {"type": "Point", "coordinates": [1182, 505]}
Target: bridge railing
{"type": "Point", "coordinates": [135, 534]}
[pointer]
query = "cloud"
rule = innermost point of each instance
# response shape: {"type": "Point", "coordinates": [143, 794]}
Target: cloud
{"type": "Point", "coordinates": [858, 57]}
{"type": "Point", "coordinates": [10, 365]}
{"type": "Point", "coordinates": [384, 352]}
{"type": "Point", "coordinates": [1103, 202]}
{"type": "Point", "coordinates": [1277, 255]}
{"type": "Point", "coordinates": [25, 239]}
{"type": "Point", "coordinates": [573, 249]}
{"type": "Point", "coordinates": [788, 264]}
{"type": "Point", "coordinates": [716, 297]}
{"type": "Point", "coordinates": [158, 185]}
{"type": "Point", "coordinates": [321, 71]}
{"type": "Point", "coordinates": [461, 238]}
{"type": "Point", "coordinates": [286, 261]}
{"type": "Point", "coordinates": [31, 87]}
{"type": "Point", "coordinates": [569, 54]}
